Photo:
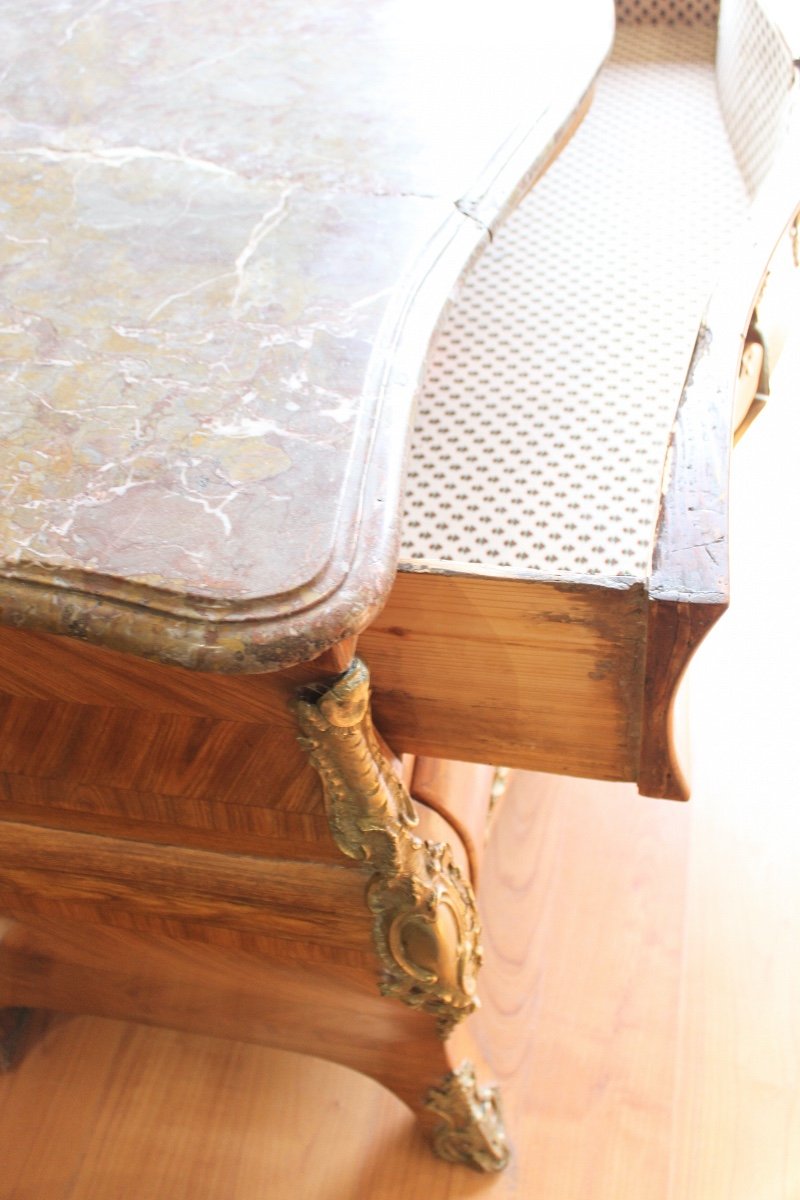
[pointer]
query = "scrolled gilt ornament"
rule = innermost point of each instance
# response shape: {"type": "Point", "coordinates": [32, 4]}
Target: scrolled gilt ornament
{"type": "Point", "coordinates": [473, 1132]}
{"type": "Point", "coordinates": [425, 921]}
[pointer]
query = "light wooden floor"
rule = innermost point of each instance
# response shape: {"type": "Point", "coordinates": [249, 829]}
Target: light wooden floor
{"type": "Point", "coordinates": [656, 1054]}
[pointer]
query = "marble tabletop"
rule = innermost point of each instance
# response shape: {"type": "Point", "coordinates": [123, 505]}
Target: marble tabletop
{"type": "Point", "coordinates": [228, 234]}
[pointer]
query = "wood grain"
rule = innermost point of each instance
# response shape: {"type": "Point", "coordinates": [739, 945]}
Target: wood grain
{"type": "Point", "coordinates": [527, 672]}
{"type": "Point", "coordinates": [674, 631]}
{"type": "Point", "coordinates": [55, 872]}
{"type": "Point", "coordinates": [688, 586]}
{"type": "Point", "coordinates": [582, 913]}
{"type": "Point", "coordinates": [310, 1009]}
{"type": "Point", "coordinates": [99, 741]}
{"type": "Point", "coordinates": [690, 552]}
{"type": "Point", "coordinates": [582, 899]}
{"type": "Point", "coordinates": [49, 667]}
{"type": "Point", "coordinates": [204, 824]}
{"type": "Point", "coordinates": [224, 784]}
{"type": "Point", "coordinates": [194, 1118]}
{"type": "Point", "coordinates": [461, 794]}
{"type": "Point", "coordinates": [155, 752]}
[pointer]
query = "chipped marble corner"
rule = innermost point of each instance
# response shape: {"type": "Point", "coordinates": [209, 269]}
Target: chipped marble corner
{"type": "Point", "coordinates": [426, 927]}
{"type": "Point", "coordinates": [472, 1132]}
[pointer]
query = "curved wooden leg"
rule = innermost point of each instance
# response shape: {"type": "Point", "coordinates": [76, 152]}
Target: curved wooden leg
{"type": "Point", "coordinates": [426, 927]}
{"type": "Point", "coordinates": [330, 1010]}
{"type": "Point", "coordinates": [371, 969]}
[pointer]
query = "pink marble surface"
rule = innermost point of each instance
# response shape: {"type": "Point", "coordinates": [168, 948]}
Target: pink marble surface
{"type": "Point", "coordinates": [228, 232]}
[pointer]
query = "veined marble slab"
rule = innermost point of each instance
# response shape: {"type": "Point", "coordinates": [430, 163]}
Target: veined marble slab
{"type": "Point", "coordinates": [228, 232]}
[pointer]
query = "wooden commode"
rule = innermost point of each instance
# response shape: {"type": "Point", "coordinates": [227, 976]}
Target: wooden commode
{"type": "Point", "coordinates": [255, 722]}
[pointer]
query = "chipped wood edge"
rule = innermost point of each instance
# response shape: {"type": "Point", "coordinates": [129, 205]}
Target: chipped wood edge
{"type": "Point", "coordinates": [688, 585]}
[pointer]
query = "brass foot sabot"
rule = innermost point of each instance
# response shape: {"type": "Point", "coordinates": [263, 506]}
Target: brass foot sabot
{"type": "Point", "coordinates": [473, 1132]}
{"type": "Point", "coordinates": [426, 927]}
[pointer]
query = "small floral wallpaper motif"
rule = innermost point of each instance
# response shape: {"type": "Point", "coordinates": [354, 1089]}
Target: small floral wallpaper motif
{"type": "Point", "coordinates": [671, 12]}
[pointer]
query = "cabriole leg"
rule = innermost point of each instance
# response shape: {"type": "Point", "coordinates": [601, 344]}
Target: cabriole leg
{"type": "Point", "coordinates": [425, 922]}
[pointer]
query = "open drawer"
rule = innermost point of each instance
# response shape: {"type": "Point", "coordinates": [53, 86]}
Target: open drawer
{"type": "Point", "coordinates": [565, 532]}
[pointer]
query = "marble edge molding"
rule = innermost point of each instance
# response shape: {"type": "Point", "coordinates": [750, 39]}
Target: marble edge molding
{"type": "Point", "coordinates": [270, 633]}
{"type": "Point", "coordinates": [274, 632]}
{"type": "Point", "coordinates": [232, 647]}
